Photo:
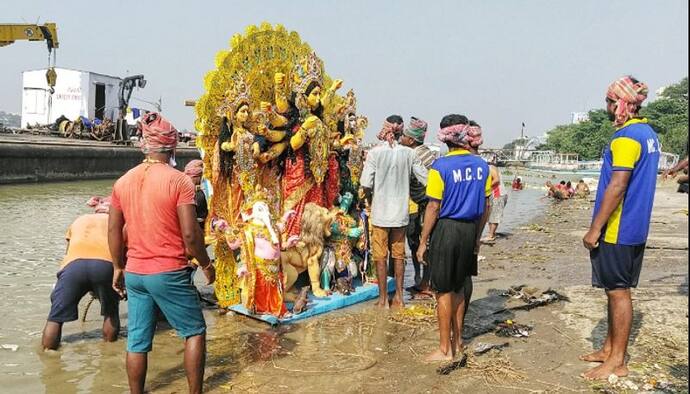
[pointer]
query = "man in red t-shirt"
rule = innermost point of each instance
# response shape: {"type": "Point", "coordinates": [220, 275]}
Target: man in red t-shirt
{"type": "Point", "coordinates": [156, 202]}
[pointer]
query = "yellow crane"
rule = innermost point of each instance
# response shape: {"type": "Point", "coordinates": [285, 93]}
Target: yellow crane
{"type": "Point", "coordinates": [9, 33]}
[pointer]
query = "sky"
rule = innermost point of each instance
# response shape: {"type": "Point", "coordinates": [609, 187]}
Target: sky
{"type": "Point", "coordinates": [500, 62]}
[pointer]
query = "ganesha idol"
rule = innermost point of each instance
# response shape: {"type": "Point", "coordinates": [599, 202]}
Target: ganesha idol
{"type": "Point", "coordinates": [259, 268]}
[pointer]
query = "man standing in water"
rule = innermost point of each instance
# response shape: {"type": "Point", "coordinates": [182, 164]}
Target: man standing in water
{"type": "Point", "coordinates": [156, 202]}
{"type": "Point", "coordinates": [413, 137]}
{"type": "Point", "coordinates": [459, 188]}
{"type": "Point", "coordinates": [616, 239]}
{"type": "Point", "coordinates": [498, 201]}
{"type": "Point", "coordinates": [86, 267]}
{"type": "Point", "coordinates": [386, 181]}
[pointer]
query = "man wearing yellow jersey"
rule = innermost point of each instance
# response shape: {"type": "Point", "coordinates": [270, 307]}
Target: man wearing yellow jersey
{"type": "Point", "coordinates": [616, 239]}
{"type": "Point", "coordinates": [458, 187]}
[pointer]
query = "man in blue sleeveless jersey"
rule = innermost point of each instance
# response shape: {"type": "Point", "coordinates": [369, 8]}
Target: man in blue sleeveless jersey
{"type": "Point", "coordinates": [616, 239]}
{"type": "Point", "coordinates": [458, 187]}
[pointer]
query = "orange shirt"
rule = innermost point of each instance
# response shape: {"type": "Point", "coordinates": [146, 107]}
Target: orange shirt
{"type": "Point", "coordinates": [88, 239]}
{"type": "Point", "coordinates": [148, 196]}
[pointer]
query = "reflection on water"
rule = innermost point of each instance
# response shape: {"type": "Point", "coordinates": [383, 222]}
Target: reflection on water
{"type": "Point", "coordinates": [35, 218]}
{"type": "Point", "coordinates": [521, 207]}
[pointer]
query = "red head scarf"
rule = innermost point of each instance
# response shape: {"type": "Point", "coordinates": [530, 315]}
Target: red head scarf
{"type": "Point", "coordinates": [158, 134]}
{"type": "Point", "coordinates": [389, 131]}
{"type": "Point", "coordinates": [194, 168]}
{"type": "Point", "coordinates": [628, 96]}
{"type": "Point", "coordinates": [462, 135]}
{"type": "Point", "coordinates": [99, 204]}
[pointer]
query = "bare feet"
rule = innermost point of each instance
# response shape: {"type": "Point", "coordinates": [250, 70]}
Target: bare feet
{"type": "Point", "coordinates": [606, 369]}
{"type": "Point", "coordinates": [595, 357]}
{"type": "Point", "coordinates": [382, 303]}
{"type": "Point", "coordinates": [437, 356]}
{"type": "Point", "coordinates": [458, 349]}
{"type": "Point", "coordinates": [397, 303]}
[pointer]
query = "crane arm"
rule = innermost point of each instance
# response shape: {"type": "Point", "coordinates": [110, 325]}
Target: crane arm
{"type": "Point", "coordinates": [9, 33]}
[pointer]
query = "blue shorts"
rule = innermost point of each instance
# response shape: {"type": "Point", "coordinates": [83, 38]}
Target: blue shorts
{"type": "Point", "coordinates": [616, 266]}
{"type": "Point", "coordinates": [74, 281]}
{"type": "Point", "coordinates": [174, 294]}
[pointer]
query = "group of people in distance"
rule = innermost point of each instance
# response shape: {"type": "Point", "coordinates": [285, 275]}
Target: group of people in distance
{"type": "Point", "coordinates": [565, 191]}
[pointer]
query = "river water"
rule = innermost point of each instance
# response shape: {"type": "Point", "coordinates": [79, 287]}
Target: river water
{"type": "Point", "coordinates": [34, 221]}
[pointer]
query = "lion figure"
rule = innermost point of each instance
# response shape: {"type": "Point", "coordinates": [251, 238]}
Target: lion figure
{"type": "Point", "coordinates": [306, 253]}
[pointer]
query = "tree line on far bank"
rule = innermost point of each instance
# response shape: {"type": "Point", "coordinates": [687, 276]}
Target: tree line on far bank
{"type": "Point", "coordinates": [668, 114]}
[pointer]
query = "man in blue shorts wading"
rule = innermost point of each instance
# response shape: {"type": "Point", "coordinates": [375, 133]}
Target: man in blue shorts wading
{"type": "Point", "coordinates": [156, 202]}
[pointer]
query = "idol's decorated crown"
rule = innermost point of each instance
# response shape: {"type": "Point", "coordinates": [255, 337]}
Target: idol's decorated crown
{"type": "Point", "coordinates": [306, 71]}
{"type": "Point", "coordinates": [238, 94]}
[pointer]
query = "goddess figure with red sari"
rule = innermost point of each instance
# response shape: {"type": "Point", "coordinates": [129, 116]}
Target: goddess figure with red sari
{"type": "Point", "coordinates": [311, 170]}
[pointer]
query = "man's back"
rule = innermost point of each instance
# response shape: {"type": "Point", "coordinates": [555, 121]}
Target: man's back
{"type": "Point", "coordinates": [461, 181]}
{"type": "Point", "coordinates": [387, 172]}
{"type": "Point", "coordinates": [88, 239]}
{"type": "Point", "coordinates": [148, 196]}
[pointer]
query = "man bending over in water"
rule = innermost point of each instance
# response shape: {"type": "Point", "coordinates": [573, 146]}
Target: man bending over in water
{"type": "Point", "coordinates": [87, 267]}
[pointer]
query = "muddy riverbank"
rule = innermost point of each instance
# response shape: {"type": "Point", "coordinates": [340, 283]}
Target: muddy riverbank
{"type": "Point", "coordinates": [363, 350]}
